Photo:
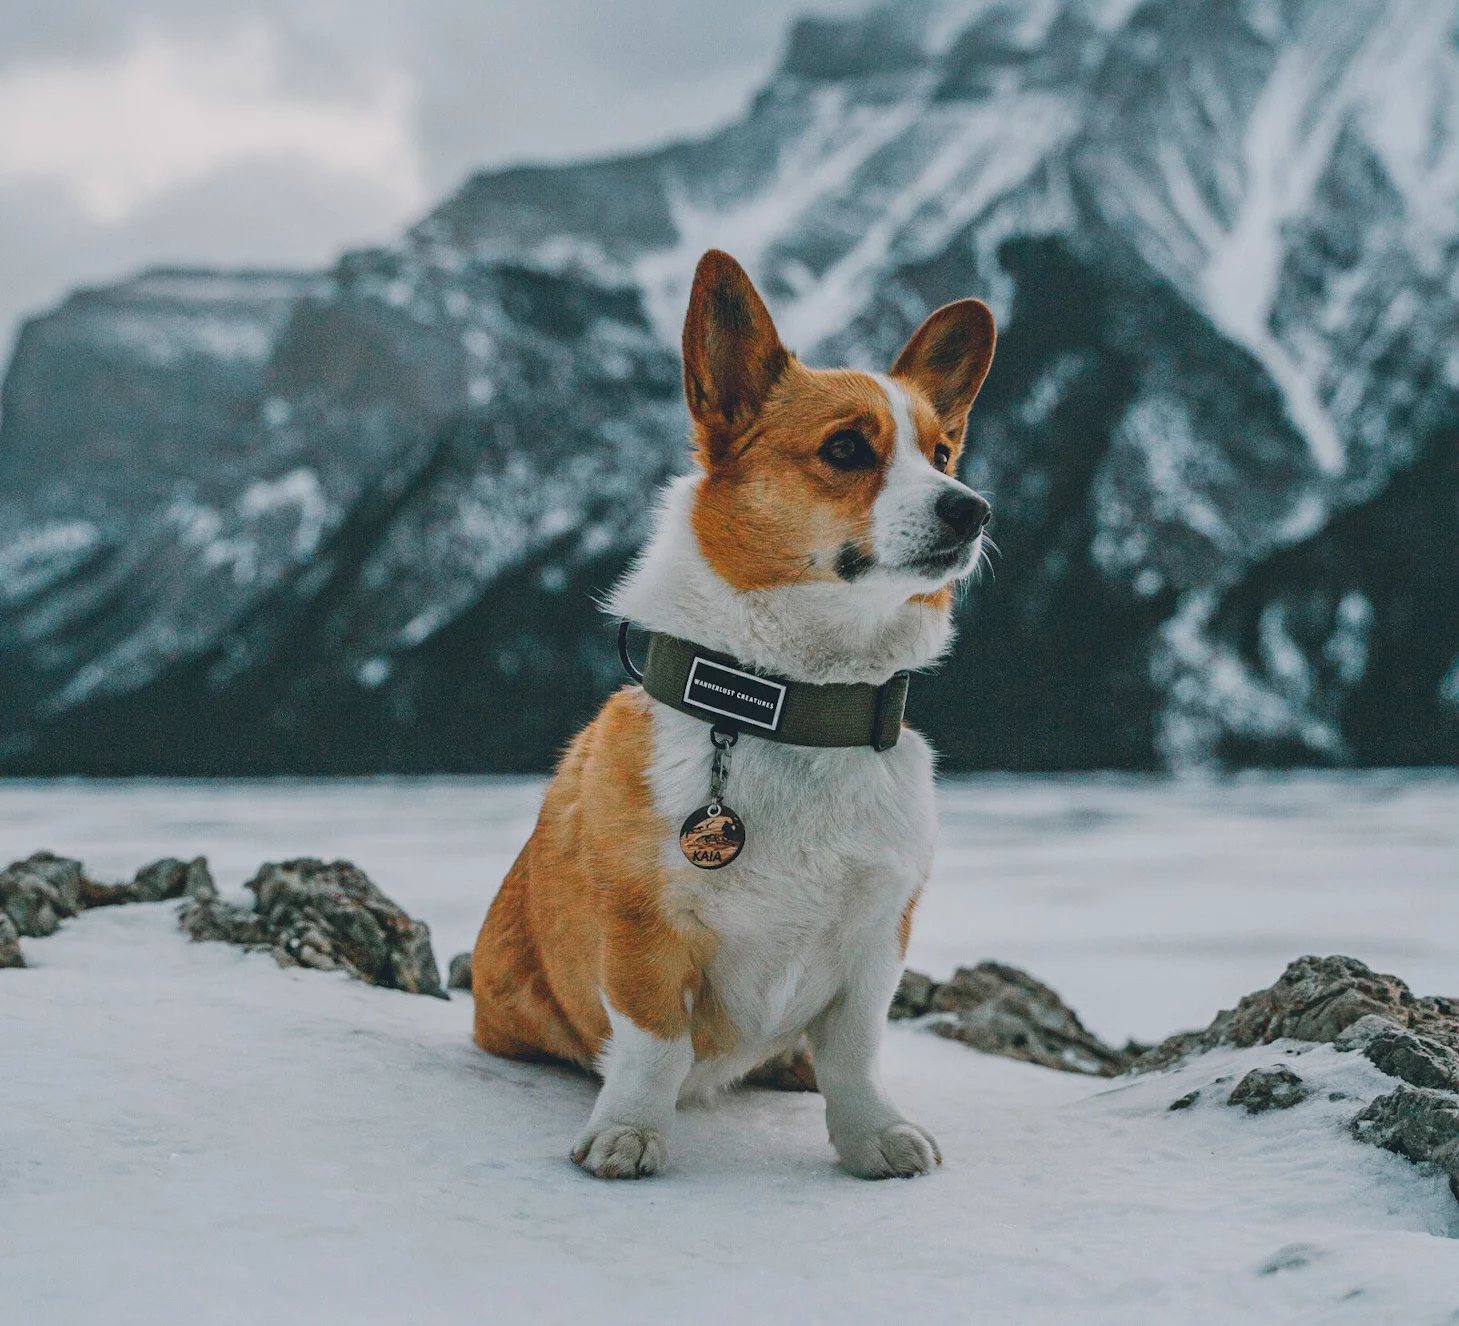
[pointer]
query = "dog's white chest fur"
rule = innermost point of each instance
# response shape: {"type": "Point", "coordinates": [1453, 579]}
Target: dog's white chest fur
{"type": "Point", "coordinates": [838, 841]}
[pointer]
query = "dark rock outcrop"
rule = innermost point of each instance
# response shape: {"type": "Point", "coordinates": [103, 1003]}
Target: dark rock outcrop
{"type": "Point", "coordinates": [1342, 1001]}
{"type": "Point", "coordinates": [1264, 1089]}
{"type": "Point", "coordinates": [1315, 999]}
{"type": "Point", "coordinates": [43, 890]}
{"type": "Point", "coordinates": [37, 894]}
{"type": "Point", "coordinates": [10, 954]}
{"type": "Point", "coordinates": [1417, 1060]}
{"type": "Point", "coordinates": [327, 916]}
{"type": "Point", "coordinates": [459, 973]}
{"type": "Point", "coordinates": [913, 997]}
{"type": "Point", "coordinates": [170, 878]}
{"type": "Point", "coordinates": [1002, 1010]}
{"type": "Point", "coordinates": [1418, 1123]}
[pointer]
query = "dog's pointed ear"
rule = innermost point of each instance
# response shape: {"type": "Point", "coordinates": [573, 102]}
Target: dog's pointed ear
{"type": "Point", "coordinates": [732, 354]}
{"type": "Point", "coordinates": [948, 358]}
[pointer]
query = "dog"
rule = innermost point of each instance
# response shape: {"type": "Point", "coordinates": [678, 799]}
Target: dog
{"type": "Point", "coordinates": [815, 544]}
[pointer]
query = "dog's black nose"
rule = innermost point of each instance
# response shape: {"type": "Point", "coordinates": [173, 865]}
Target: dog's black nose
{"type": "Point", "coordinates": [962, 511]}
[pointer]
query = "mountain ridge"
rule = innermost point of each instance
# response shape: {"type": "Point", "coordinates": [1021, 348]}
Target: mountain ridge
{"type": "Point", "coordinates": [372, 505]}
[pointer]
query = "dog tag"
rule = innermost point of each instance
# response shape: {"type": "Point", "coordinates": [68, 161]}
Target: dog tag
{"type": "Point", "coordinates": [712, 837]}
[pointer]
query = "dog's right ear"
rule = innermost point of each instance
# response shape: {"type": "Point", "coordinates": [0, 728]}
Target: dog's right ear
{"type": "Point", "coordinates": [732, 354]}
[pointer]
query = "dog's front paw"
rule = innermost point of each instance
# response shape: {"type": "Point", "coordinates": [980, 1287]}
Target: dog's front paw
{"type": "Point", "coordinates": [621, 1151]}
{"type": "Point", "coordinates": [899, 1151]}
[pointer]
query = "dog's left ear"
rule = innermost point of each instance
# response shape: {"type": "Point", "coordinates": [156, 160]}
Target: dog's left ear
{"type": "Point", "coordinates": [948, 358]}
{"type": "Point", "coordinates": [732, 355]}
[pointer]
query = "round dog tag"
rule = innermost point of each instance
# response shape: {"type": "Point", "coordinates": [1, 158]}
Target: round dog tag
{"type": "Point", "coordinates": [712, 837]}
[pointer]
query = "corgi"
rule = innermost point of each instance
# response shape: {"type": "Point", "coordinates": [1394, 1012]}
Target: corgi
{"type": "Point", "coordinates": [815, 543]}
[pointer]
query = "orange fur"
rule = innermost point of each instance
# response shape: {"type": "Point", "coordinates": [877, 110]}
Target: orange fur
{"type": "Point", "coordinates": [904, 926]}
{"type": "Point", "coordinates": [584, 910]}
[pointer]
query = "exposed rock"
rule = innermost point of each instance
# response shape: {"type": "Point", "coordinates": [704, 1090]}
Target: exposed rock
{"type": "Point", "coordinates": [10, 954]}
{"type": "Point", "coordinates": [1342, 1001]}
{"type": "Point", "coordinates": [1001, 1010]}
{"type": "Point", "coordinates": [41, 891]}
{"type": "Point", "coordinates": [205, 916]}
{"type": "Point", "coordinates": [1264, 1089]}
{"type": "Point", "coordinates": [791, 1070]}
{"type": "Point", "coordinates": [913, 997]}
{"type": "Point", "coordinates": [1316, 999]}
{"type": "Point", "coordinates": [37, 894]}
{"type": "Point", "coordinates": [1364, 1030]}
{"type": "Point", "coordinates": [171, 878]}
{"type": "Point", "coordinates": [1185, 1101]}
{"type": "Point", "coordinates": [1293, 1257]}
{"type": "Point", "coordinates": [327, 916]}
{"type": "Point", "coordinates": [1416, 1122]}
{"type": "Point", "coordinates": [459, 973]}
{"type": "Point", "coordinates": [1419, 1061]}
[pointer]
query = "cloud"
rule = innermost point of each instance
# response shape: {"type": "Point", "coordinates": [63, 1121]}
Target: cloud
{"type": "Point", "coordinates": [166, 112]}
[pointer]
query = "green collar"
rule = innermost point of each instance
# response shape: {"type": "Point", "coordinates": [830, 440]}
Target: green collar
{"type": "Point", "coordinates": [719, 689]}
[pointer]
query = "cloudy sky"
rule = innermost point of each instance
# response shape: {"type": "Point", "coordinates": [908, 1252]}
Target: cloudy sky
{"type": "Point", "coordinates": [277, 133]}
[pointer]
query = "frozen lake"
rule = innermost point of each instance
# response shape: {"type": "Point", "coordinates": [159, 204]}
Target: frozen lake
{"type": "Point", "coordinates": [189, 1133]}
{"type": "Point", "coordinates": [1148, 904]}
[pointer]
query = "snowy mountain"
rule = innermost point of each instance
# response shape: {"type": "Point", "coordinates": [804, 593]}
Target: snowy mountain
{"type": "Point", "coordinates": [352, 520]}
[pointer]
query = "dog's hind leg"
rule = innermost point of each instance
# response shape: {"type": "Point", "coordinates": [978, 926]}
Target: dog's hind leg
{"type": "Point", "coordinates": [628, 1134]}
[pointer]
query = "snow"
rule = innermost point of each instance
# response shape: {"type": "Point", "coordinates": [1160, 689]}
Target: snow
{"type": "Point", "coordinates": [189, 1133]}
{"type": "Point", "coordinates": [299, 488]}
{"type": "Point", "coordinates": [38, 558]}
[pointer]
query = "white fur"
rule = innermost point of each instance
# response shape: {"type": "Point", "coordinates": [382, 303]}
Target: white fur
{"type": "Point", "coordinates": [821, 631]}
{"type": "Point", "coordinates": [838, 840]}
{"type": "Point", "coordinates": [628, 1134]}
{"type": "Point", "coordinates": [904, 524]}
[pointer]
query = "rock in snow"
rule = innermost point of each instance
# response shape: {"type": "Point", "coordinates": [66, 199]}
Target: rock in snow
{"type": "Point", "coordinates": [37, 894]}
{"type": "Point", "coordinates": [1341, 1001]}
{"type": "Point", "coordinates": [1265, 1089]}
{"type": "Point", "coordinates": [171, 878]}
{"type": "Point", "coordinates": [327, 916]}
{"type": "Point", "coordinates": [352, 520]}
{"type": "Point", "coordinates": [1001, 1010]}
{"type": "Point", "coordinates": [1417, 1060]}
{"type": "Point", "coordinates": [459, 973]}
{"type": "Point", "coordinates": [1418, 1123]}
{"type": "Point", "coordinates": [10, 954]}
{"type": "Point", "coordinates": [306, 913]}
{"type": "Point", "coordinates": [1317, 999]}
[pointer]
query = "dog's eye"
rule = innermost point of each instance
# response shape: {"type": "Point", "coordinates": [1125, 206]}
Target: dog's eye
{"type": "Point", "coordinates": [848, 450]}
{"type": "Point", "coordinates": [940, 456]}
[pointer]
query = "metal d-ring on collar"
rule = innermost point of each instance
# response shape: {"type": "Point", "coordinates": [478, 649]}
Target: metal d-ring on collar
{"type": "Point", "coordinates": [623, 655]}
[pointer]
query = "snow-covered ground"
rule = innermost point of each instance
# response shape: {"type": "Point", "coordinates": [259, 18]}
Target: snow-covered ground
{"type": "Point", "coordinates": [189, 1134]}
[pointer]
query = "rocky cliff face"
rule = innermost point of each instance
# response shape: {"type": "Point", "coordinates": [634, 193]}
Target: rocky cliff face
{"type": "Point", "coordinates": [354, 520]}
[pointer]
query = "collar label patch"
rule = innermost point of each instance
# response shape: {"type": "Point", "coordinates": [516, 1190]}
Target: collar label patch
{"type": "Point", "coordinates": [742, 696]}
